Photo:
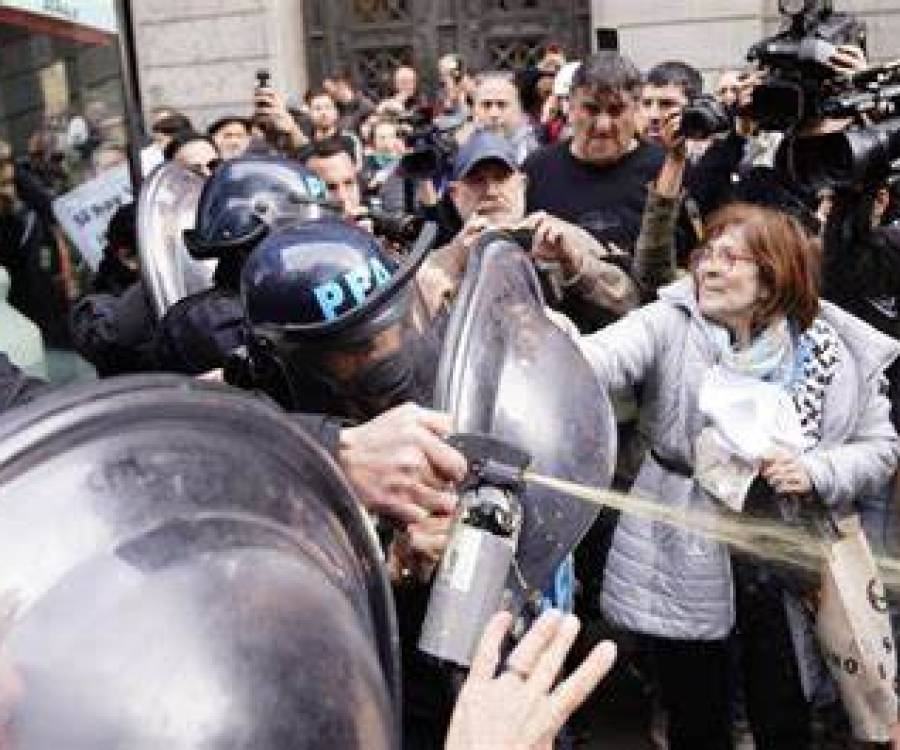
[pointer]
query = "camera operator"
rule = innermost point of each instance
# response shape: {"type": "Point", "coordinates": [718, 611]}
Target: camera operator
{"type": "Point", "coordinates": [749, 159]}
{"type": "Point", "coordinates": [344, 184]}
{"type": "Point", "coordinates": [668, 88]}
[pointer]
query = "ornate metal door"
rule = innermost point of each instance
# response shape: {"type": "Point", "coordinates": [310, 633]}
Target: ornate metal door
{"type": "Point", "coordinates": [371, 37]}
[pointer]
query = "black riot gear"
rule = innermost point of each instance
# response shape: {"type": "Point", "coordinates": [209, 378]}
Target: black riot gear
{"type": "Point", "coordinates": [325, 289]}
{"type": "Point", "coordinates": [246, 197]}
{"type": "Point", "coordinates": [241, 204]}
{"type": "Point", "coordinates": [184, 567]}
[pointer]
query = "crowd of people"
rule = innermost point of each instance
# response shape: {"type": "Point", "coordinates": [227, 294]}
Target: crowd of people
{"type": "Point", "coordinates": [696, 278]}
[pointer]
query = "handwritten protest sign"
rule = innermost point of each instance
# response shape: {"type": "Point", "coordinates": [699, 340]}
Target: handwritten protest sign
{"type": "Point", "coordinates": [84, 212]}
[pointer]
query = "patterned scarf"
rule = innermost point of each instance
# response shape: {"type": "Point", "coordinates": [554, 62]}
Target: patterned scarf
{"type": "Point", "coordinates": [804, 364]}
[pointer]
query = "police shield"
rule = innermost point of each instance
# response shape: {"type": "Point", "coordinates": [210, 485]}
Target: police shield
{"type": "Point", "coordinates": [183, 567]}
{"type": "Point", "coordinates": [166, 207]}
{"type": "Point", "coordinates": [508, 371]}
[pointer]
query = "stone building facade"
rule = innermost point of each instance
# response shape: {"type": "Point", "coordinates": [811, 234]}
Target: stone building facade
{"type": "Point", "coordinates": [201, 55]}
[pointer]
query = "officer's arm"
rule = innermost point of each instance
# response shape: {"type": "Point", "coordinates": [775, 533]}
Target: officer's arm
{"type": "Point", "coordinates": [399, 463]}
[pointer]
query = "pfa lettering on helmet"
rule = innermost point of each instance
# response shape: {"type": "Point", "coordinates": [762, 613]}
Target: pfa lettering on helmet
{"type": "Point", "coordinates": [315, 187]}
{"type": "Point", "coordinates": [350, 289]}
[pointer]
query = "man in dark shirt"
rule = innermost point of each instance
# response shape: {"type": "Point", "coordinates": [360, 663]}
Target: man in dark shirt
{"type": "Point", "coordinates": [598, 178]}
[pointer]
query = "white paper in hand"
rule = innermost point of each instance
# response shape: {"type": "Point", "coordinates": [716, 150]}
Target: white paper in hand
{"type": "Point", "coordinates": [747, 419]}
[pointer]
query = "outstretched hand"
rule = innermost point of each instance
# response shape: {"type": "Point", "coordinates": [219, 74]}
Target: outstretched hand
{"type": "Point", "coordinates": [519, 709]}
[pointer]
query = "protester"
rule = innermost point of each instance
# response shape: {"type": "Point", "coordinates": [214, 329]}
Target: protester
{"type": "Point", "coordinates": [597, 179]}
{"type": "Point", "coordinates": [167, 126]}
{"type": "Point", "coordinates": [193, 151]}
{"type": "Point", "coordinates": [751, 306]}
{"type": "Point", "coordinates": [406, 88]}
{"type": "Point", "coordinates": [231, 135]}
{"type": "Point", "coordinates": [353, 106]}
{"type": "Point", "coordinates": [456, 85]}
{"type": "Point", "coordinates": [323, 113]}
{"type": "Point", "coordinates": [488, 191]}
{"type": "Point", "coordinates": [498, 108]}
{"type": "Point", "coordinates": [278, 125]}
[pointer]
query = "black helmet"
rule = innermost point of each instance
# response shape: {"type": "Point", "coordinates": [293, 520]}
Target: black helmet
{"type": "Point", "coordinates": [213, 581]}
{"type": "Point", "coordinates": [327, 282]}
{"type": "Point", "coordinates": [246, 197]}
{"type": "Point", "coordinates": [323, 286]}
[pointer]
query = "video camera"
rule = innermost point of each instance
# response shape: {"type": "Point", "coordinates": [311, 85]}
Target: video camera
{"type": "Point", "coordinates": [800, 80]}
{"type": "Point", "coordinates": [802, 88]}
{"type": "Point", "coordinates": [398, 227]}
{"type": "Point", "coordinates": [861, 156]}
{"type": "Point", "coordinates": [703, 117]}
{"type": "Point", "coordinates": [431, 142]}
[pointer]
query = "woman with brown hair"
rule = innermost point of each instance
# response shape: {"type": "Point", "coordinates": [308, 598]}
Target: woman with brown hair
{"type": "Point", "coordinates": [748, 318]}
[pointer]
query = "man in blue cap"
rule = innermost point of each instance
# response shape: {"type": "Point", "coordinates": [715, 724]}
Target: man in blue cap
{"type": "Point", "coordinates": [488, 190]}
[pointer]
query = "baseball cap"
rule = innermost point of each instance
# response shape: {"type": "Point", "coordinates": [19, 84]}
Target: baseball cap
{"type": "Point", "coordinates": [482, 146]}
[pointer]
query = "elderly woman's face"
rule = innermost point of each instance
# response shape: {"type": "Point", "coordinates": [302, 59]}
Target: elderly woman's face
{"type": "Point", "coordinates": [728, 284]}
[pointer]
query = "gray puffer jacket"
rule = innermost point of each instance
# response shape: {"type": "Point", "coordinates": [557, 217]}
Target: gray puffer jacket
{"type": "Point", "coordinates": [663, 581]}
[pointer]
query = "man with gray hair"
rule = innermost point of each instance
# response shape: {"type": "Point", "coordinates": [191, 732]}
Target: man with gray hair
{"type": "Point", "coordinates": [597, 179]}
{"type": "Point", "coordinates": [498, 109]}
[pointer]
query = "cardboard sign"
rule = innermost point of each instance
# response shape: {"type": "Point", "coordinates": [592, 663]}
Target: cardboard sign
{"type": "Point", "coordinates": [84, 212]}
{"type": "Point", "coordinates": [854, 632]}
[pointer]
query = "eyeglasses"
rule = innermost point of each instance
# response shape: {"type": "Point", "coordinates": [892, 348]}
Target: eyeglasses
{"type": "Point", "coordinates": [726, 255]}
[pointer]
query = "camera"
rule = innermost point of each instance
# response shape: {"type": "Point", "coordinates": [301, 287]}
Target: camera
{"type": "Point", "coordinates": [431, 143]}
{"type": "Point", "coordinates": [262, 78]}
{"type": "Point", "coordinates": [856, 158]}
{"type": "Point", "coordinates": [401, 228]}
{"type": "Point", "coordinates": [796, 59]}
{"type": "Point", "coordinates": [703, 117]}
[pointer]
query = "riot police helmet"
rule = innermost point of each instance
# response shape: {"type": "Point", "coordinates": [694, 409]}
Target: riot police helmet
{"type": "Point", "coordinates": [184, 567]}
{"type": "Point", "coordinates": [247, 198]}
{"type": "Point", "coordinates": [321, 289]}
{"type": "Point", "coordinates": [328, 281]}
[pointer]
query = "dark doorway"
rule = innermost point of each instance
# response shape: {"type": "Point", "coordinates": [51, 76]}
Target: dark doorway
{"type": "Point", "coordinates": [371, 37]}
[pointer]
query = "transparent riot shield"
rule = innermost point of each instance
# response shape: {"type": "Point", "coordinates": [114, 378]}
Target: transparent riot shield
{"type": "Point", "coordinates": [182, 567]}
{"type": "Point", "coordinates": [507, 370]}
{"type": "Point", "coordinates": [166, 207]}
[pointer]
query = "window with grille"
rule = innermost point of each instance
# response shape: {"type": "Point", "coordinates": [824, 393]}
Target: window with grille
{"type": "Point", "coordinates": [375, 67]}
{"type": "Point", "coordinates": [380, 11]}
{"type": "Point", "coordinates": [508, 54]}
